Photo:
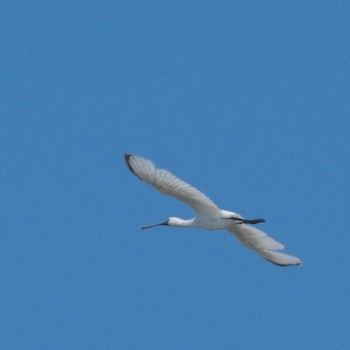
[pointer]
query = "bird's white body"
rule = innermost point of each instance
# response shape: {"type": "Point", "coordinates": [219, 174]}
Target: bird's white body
{"type": "Point", "coordinates": [209, 216]}
{"type": "Point", "coordinates": [208, 222]}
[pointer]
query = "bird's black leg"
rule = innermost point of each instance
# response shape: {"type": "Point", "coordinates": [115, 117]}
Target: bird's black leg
{"type": "Point", "coordinates": [248, 221]}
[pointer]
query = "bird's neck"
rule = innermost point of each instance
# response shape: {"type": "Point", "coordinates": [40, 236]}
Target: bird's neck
{"type": "Point", "coordinates": [177, 222]}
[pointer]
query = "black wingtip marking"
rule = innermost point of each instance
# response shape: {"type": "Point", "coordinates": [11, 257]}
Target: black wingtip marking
{"type": "Point", "coordinates": [127, 157]}
{"type": "Point", "coordinates": [285, 265]}
{"type": "Point", "coordinates": [277, 264]}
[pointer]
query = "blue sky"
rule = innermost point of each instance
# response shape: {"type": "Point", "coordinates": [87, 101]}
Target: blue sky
{"type": "Point", "coordinates": [246, 100]}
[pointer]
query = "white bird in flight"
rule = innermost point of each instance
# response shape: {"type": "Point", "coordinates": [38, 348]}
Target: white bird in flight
{"type": "Point", "coordinates": [209, 216]}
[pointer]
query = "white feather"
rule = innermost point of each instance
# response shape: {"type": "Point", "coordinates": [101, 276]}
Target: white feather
{"type": "Point", "coordinates": [169, 184]}
{"type": "Point", "coordinates": [264, 245]}
{"type": "Point", "coordinates": [209, 216]}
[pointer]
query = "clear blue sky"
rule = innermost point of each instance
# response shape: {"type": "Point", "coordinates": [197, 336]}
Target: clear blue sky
{"type": "Point", "coordinates": [246, 100]}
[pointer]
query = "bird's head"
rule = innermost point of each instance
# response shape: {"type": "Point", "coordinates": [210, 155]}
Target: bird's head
{"type": "Point", "coordinates": [172, 221]}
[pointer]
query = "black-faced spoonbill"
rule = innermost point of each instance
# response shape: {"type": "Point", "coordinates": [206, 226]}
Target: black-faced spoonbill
{"type": "Point", "coordinates": [209, 216]}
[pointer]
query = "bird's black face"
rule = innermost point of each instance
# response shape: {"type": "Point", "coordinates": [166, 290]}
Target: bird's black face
{"type": "Point", "coordinates": [165, 223]}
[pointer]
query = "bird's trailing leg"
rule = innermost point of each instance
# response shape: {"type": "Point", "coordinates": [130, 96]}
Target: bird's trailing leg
{"type": "Point", "coordinates": [248, 221]}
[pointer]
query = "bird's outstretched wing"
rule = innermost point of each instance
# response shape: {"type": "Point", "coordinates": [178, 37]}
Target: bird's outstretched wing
{"type": "Point", "coordinates": [167, 183]}
{"type": "Point", "coordinates": [264, 245]}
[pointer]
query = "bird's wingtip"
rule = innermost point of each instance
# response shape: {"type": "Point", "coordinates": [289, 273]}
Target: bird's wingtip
{"type": "Point", "coordinates": [127, 157]}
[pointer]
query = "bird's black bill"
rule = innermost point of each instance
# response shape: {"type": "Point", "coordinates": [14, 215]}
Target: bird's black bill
{"type": "Point", "coordinates": [165, 223]}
